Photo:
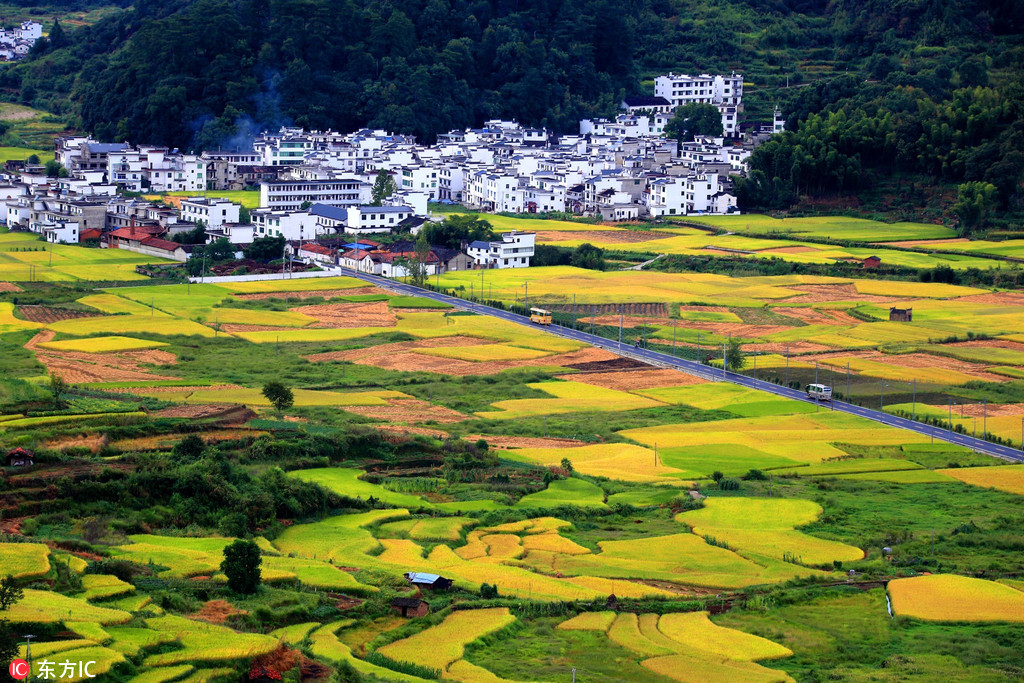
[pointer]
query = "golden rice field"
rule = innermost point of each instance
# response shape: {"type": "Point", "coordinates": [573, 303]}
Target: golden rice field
{"type": "Point", "coordinates": [696, 630]}
{"type": "Point", "coordinates": [948, 597]}
{"type": "Point", "coordinates": [46, 607]}
{"type": "Point", "coordinates": [831, 227]}
{"type": "Point", "coordinates": [102, 344]}
{"type": "Point", "coordinates": [8, 323]}
{"type": "Point", "coordinates": [441, 645]}
{"type": "Point", "coordinates": [568, 397]}
{"type": "Point", "coordinates": [24, 560]}
{"type": "Point", "coordinates": [99, 586]}
{"type": "Point", "coordinates": [255, 397]}
{"type": "Point", "coordinates": [103, 660]}
{"type": "Point", "coordinates": [766, 527]}
{"type": "Point", "coordinates": [1009, 478]}
{"type": "Point", "coordinates": [24, 257]}
{"type": "Point", "coordinates": [294, 634]}
{"type": "Point", "coordinates": [484, 352]}
{"type": "Point", "coordinates": [623, 461]}
{"type": "Point", "coordinates": [430, 528]}
{"type": "Point", "coordinates": [204, 642]}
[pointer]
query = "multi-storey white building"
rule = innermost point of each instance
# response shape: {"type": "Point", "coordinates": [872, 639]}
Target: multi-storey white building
{"type": "Point", "coordinates": [212, 212]}
{"type": "Point", "coordinates": [725, 92]}
{"type": "Point", "coordinates": [290, 195]}
{"type": "Point", "coordinates": [292, 225]}
{"type": "Point", "coordinates": [513, 251]}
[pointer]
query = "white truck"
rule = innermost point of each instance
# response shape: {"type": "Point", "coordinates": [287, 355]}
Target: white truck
{"type": "Point", "coordinates": [819, 392]}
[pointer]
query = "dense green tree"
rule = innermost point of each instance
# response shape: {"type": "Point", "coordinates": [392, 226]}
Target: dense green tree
{"type": "Point", "coordinates": [588, 256]}
{"type": "Point", "coordinates": [456, 229]}
{"type": "Point", "coordinates": [241, 566]}
{"type": "Point", "coordinates": [694, 119]}
{"type": "Point", "coordinates": [280, 396]}
{"type": "Point", "coordinates": [220, 249]}
{"type": "Point", "coordinates": [383, 186]}
{"type": "Point", "coordinates": [265, 248]}
{"type": "Point", "coordinates": [975, 203]}
{"type": "Point", "coordinates": [10, 592]}
{"type": "Point", "coordinates": [734, 355]}
{"type": "Point", "coordinates": [196, 235]}
{"type": "Point", "coordinates": [9, 646]}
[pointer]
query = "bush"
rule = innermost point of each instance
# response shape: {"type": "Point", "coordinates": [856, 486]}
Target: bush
{"type": "Point", "coordinates": [729, 485]}
{"type": "Point", "coordinates": [755, 475]}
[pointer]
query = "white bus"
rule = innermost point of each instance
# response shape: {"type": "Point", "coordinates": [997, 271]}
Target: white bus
{"type": "Point", "coordinates": [819, 392]}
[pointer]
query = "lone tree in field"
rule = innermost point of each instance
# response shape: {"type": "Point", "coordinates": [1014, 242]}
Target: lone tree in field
{"type": "Point", "coordinates": [279, 395]}
{"type": "Point", "coordinates": [10, 592]}
{"type": "Point", "coordinates": [242, 566]}
{"type": "Point", "coordinates": [58, 387]}
{"type": "Point", "coordinates": [734, 355]}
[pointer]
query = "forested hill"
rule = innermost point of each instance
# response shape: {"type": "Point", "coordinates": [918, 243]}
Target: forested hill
{"type": "Point", "coordinates": [192, 74]}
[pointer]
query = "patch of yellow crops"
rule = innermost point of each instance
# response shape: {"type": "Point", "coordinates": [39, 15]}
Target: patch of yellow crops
{"type": "Point", "coordinates": [47, 608]}
{"type": "Point", "coordinates": [24, 560]}
{"type": "Point", "coordinates": [400, 551]}
{"type": "Point", "coordinates": [430, 529]}
{"type": "Point", "coordinates": [8, 323]}
{"type": "Point", "coordinates": [1009, 478]}
{"type": "Point", "coordinates": [297, 285]}
{"type": "Point", "coordinates": [553, 542]}
{"type": "Point", "coordinates": [103, 660]}
{"type": "Point", "coordinates": [947, 597]}
{"type": "Point", "coordinates": [89, 630]}
{"type": "Point", "coordinates": [467, 672]}
{"type": "Point", "coordinates": [102, 344]}
{"type": "Point", "coordinates": [111, 303]}
{"type": "Point", "coordinates": [502, 546]}
{"type": "Point", "coordinates": [694, 629]}
{"type": "Point", "coordinates": [625, 631]}
{"type": "Point", "coordinates": [440, 645]}
{"type": "Point", "coordinates": [589, 621]}
{"type": "Point", "coordinates": [624, 589]}
{"type": "Point", "coordinates": [203, 642]}
{"type": "Point", "coordinates": [104, 586]}
{"type": "Point", "coordinates": [208, 675]}
{"type": "Point", "coordinates": [484, 352]}
{"type": "Point", "coordinates": [624, 461]}
{"type": "Point", "coordinates": [294, 634]}
{"type": "Point", "coordinates": [765, 526]}
{"type": "Point", "coordinates": [569, 397]}
{"type": "Point", "coordinates": [164, 673]}
{"type": "Point", "coordinates": [536, 525]}
{"type": "Point", "coordinates": [131, 641]}
{"type": "Point", "coordinates": [688, 669]}
{"type": "Point", "coordinates": [870, 368]}
{"type": "Point", "coordinates": [474, 548]}
{"type": "Point", "coordinates": [245, 316]}
{"type": "Point", "coordinates": [915, 290]}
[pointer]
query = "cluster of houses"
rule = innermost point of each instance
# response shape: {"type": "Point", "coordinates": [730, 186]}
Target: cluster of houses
{"type": "Point", "coordinates": [17, 41]}
{"type": "Point", "coordinates": [316, 187]}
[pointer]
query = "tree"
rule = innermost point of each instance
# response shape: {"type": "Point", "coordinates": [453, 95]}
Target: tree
{"type": "Point", "coordinates": [58, 387]}
{"type": "Point", "coordinates": [10, 592]}
{"type": "Point", "coordinates": [488, 592]}
{"type": "Point", "coordinates": [220, 250]}
{"type": "Point", "coordinates": [734, 355]}
{"type": "Point", "coordinates": [588, 256]}
{"type": "Point", "coordinates": [196, 235]}
{"type": "Point", "coordinates": [242, 566]}
{"type": "Point", "coordinates": [975, 202]}
{"type": "Point", "coordinates": [279, 395]}
{"type": "Point", "coordinates": [32, 159]}
{"type": "Point", "coordinates": [456, 229]}
{"type": "Point", "coordinates": [53, 168]}
{"type": "Point", "coordinates": [8, 641]}
{"type": "Point", "coordinates": [694, 119]}
{"type": "Point", "coordinates": [266, 248]}
{"type": "Point", "coordinates": [305, 205]}
{"type": "Point", "coordinates": [57, 37]}
{"type": "Point", "coordinates": [190, 448]}
{"type": "Point", "coordinates": [417, 266]}
{"type": "Point", "coordinates": [567, 464]}
{"type": "Point", "coordinates": [383, 187]}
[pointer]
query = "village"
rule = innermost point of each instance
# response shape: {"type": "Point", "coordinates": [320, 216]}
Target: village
{"type": "Point", "coordinates": [316, 188]}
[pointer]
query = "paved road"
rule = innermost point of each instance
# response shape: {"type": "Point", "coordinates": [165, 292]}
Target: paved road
{"type": "Point", "coordinates": [696, 368]}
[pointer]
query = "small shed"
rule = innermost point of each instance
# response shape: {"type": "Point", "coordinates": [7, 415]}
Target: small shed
{"type": "Point", "coordinates": [19, 457]}
{"type": "Point", "coordinates": [428, 581]}
{"type": "Point", "coordinates": [871, 262]}
{"type": "Point", "coordinates": [410, 607]}
{"type": "Point", "coordinates": [901, 315]}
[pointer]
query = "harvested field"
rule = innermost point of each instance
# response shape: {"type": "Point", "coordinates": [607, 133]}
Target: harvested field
{"type": "Point", "coordinates": [793, 348]}
{"type": "Point", "coordinates": [217, 612]}
{"type": "Point", "coordinates": [525, 441]}
{"type": "Point", "coordinates": [992, 410]}
{"type": "Point", "coordinates": [409, 410]}
{"type": "Point", "coordinates": [630, 380]}
{"type": "Point", "coordinates": [990, 343]}
{"type": "Point", "coordinates": [402, 356]}
{"type": "Point", "coordinates": [94, 442]}
{"type": "Point", "coordinates": [922, 243]}
{"type": "Point", "coordinates": [918, 360]}
{"type": "Point", "coordinates": [84, 368]}
{"type": "Point", "coordinates": [48, 314]}
{"type": "Point", "coordinates": [406, 430]}
{"type": "Point", "coordinates": [617, 363]}
{"type": "Point", "coordinates": [167, 441]}
{"type": "Point", "coordinates": [349, 315]}
{"type": "Point", "coordinates": [175, 389]}
{"type": "Point", "coordinates": [627, 321]}
{"type": "Point", "coordinates": [602, 236]}
{"type": "Point", "coordinates": [322, 293]}
{"type": "Point", "coordinates": [817, 294]}
{"type": "Point", "coordinates": [235, 413]}
{"type": "Point", "coordinates": [598, 310]}
{"type": "Point", "coordinates": [814, 316]}
{"type": "Point", "coordinates": [10, 287]}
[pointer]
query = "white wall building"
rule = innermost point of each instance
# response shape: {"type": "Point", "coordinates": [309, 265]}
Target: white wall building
{"type": "Point", "coordinates": [292, 225]}
{"type": "Point", "coordinates": [513, 251]}
{"type": "Point", "coordinates": [212, 212]}
{"type": "Point", "coordinates": [725, 92]}
{"type": "Point", "coordinates": [290, 195]}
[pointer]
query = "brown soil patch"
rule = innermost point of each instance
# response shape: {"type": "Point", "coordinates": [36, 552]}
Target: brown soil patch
{"type": "Point", "coordinates": [815, 316]}
{"type": "Point", "coordinates": [917, 360]}
{"type": "Point", "coordinates": [48, 314]}
{"type": "Point", "coordinates": [525, 441]}
{"type": "Point", "coordinates": [172, 390]}
{"type": "Point", "coordinates": [816, 294]}
{"type": "Point", "coordinates": [627, 322]}
{"type": "Point", "coordinates": [12, 525]}
{"type": "Point", "coordinates": [322, 293]}
{"type": "Point", "coordinates": [705, 309]}
{"type": "Point", "coordinates": [992, 410]}
{"type": "Point", "coordinates": [996, 298]}
{"type": "Point", "coordinates": [163, 442]}
{"type": "Point", "coordinates": [94, 442]}
{"type": "Point", "coordinates": [282, 659]}
{"type": "Point", "coordinates": [991, 343]}
{"type": "Point", "coordinates": [606, 236]}
{"type": "Point", "coordinates": [217, 612]}
{"type": "Point", "coordinates": [401, 356]}
{"type": "Point", "coordinates": [347, 315]}
{"type": "Point", "coordinates": [81, 368]}
{"type": "Point", "coordinates": [409, 410]}
{"type": "Point", "coordinates": [617, 363]}
{"type": "Point", "coordinates": [585, 311]}
{"type": "Point", "coordinates": [631, 380]}
{"type": "Point", "coordinates": [206, 411]}
{"type": "Point", "coordinates": [10, 287]}
{"type": "Point", "coordinates": [406, 430]}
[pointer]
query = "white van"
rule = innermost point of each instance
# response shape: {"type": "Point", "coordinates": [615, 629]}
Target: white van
{"type": "Point", "coordinates": [819, 392]}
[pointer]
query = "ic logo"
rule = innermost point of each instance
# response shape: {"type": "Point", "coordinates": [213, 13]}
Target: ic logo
{"type": "Point", "coordinates": [18, 669]}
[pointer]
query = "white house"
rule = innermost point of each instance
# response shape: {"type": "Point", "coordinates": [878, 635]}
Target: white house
{"type": "Point", "coordinates": [290, 195]}
{"type": "Point", "coordinates": [370, 219]}
{"type": "Point", "coordinates": [724, 92]}
{"type": "Point", "coordinates": [292, 225]}
{"type": "Point", "coordinates": [212, 212]}
{"type": "Point", "coordinates": [236, 233]}
{"type": "Point", "coordinates": [513, 251]}
{"type": "Point", "coordinates": [666, 197]}
{"type": "Point", "coordinates": [422, 178]}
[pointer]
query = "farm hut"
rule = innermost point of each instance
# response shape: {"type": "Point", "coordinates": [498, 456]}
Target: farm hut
{"type": "Point", "coordinates": [410, 607]}
{"type": "Point", "coordinates": [872, 262]}
{"type": "Point", "coordinates": [19, 457]}
{"type": "Point", "coordinates": [901, 315]}
{"type": "Point", "coordinates": [429, 581]}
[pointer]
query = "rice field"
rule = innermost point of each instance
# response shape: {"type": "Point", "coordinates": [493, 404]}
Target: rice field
{"type": "Point", "coordinates": [565, 492]}
{"type": "Point", "coordinates": [767, 527]}
{"type": "Point", "coordinates": [103, 660]}
{"type": "Point", "coordinates": [828, 227]}
{"type": "Point", "coordinates": [430, 528]}
{"type": "Point", "coordinates": [626, 462]}
{"type": "Point", "coordinates": [99, 586]}
{"type": "Point", "coordinates": [568, 397]}
{"type": "Point", "coordinates": [696, 630]}
{"type": "Point", "coordinates": [255, 397]}
{"type": "Point", "coordinates": [25, 257]}
{"type": "Point", "coordinates": [204, 642]}
{"type": "Point", "coordinates": [102, 344]}
{"type": "Point", "coordinates": [439, 646]}
{"type": "Point", "coordinates": [346, 482]}
{"type": "Point", "coordinates": [46, 607]}
{"type": "Point", "coordinates": [1009, 478]}
{"type": "Point", "coordinates": [24, 560]}
{"type": "Point", "coordinates": [948, 597]}
{"type": "Point", "coordinates": [8, 323]}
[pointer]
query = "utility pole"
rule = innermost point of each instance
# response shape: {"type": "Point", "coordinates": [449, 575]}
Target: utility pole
{"type": "Point", "coordinates": [881, 396]}
{"type": "Point", "coordinates": [815, 372]}
{"type": "Point", "coordinates": [698, 348]}
{"type": "Point", "coordinates": [984, 418]}
{"type": "Point", "coordinates": [913, 409]}
{"type": "Point", "coordinates": [787, 366]}
{"type": "Point", "coordinates": [574, 310]}
{"type": "Point", "coordinates": [526, 295]}
{"type": "Point", "coordinates": [848, 400]}
{"type": "Point", "coordinates": [673, 338]}
{"type": "Point", "coordinates": [620, 326]}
